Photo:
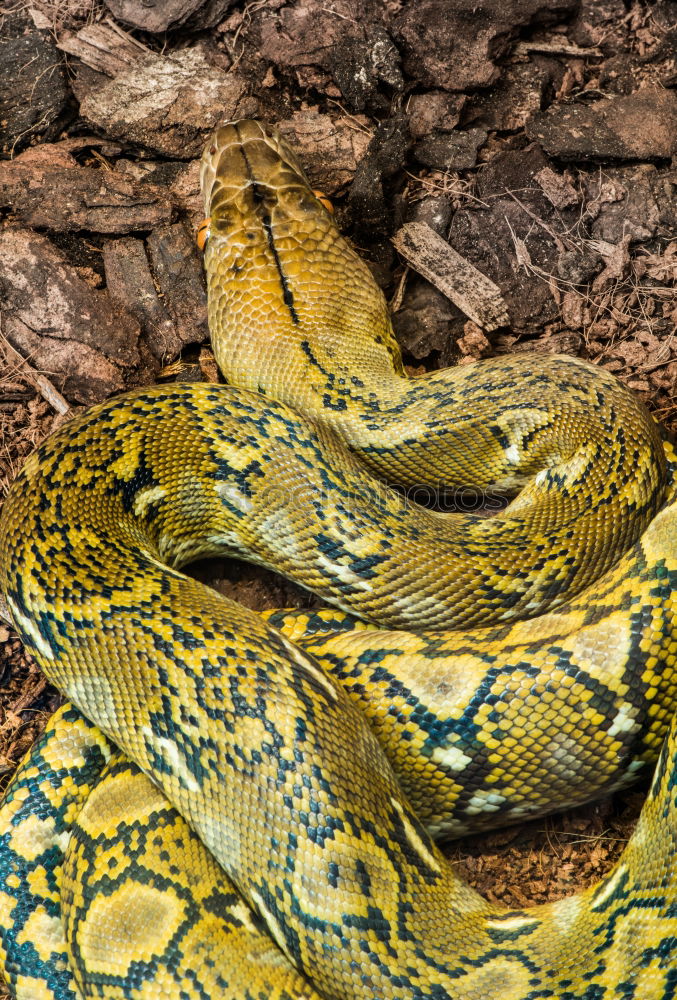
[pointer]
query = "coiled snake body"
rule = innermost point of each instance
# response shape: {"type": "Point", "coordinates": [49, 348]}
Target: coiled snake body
{"type": "Point", "coordinates": [253, 729]}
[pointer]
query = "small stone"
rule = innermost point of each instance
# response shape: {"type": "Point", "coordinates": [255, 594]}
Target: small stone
{"type": "Point", "coordinates": [557, 188]}
{"type": "Point", "coordinates": [159, 15]}
{"type": "Point", "coordinates": [435, 109]}
{"type": "Point", "coordinates": [473, 343]}
{"type": "Point", "coordinates": [578, 267]}
{"type": "Point", "coordinates": [454, 151]}
{"type": "Point", "coordinates": [435, 210]}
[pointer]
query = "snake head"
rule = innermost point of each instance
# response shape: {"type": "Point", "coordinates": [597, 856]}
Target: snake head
{"type": "Point", "coordinates": [251, 178]}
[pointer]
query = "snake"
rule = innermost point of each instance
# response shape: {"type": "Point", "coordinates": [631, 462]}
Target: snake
{"type": "Point", "coordinates": [244, 805]}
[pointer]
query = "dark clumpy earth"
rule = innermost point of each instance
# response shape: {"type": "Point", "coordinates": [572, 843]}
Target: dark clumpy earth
{"type": "Point", "coordinates": [537, 138]}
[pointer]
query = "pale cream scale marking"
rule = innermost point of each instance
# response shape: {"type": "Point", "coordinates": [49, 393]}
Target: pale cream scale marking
{"type": "Point", "coordinates": [43, 932]}
{"type": "Point", "coordinates": [168, 749]}
{"type": "Point", "coordinates": [29, 628]}
{"type": "Point", "coordinates": [511, 923]}
{"type": "Point", "coordinates": [625, 720]}
{"type": "Point", "coordinates": [235, 497]}
{"type": "Point", "coordinates": [451, 757]}
{"type": "Point", "coordinates": [33, 836]}
{"type": "Point", "coordinates": [271, 923]}
{"type": "Point", "coordinates": [242, 913]}
{"type": "Point", "coordinates": [415, 840]}
{"type": "Point", "coordinates": [145, 498]}
{"type": "Point", "coordinates": [485, 801]}
{"type": "Point", "coordinates": [610, 887]}
{"type": "Point", "coordinates": [343, 573]}
{"type": "Point", "coordinates": [310, 668]}
{"type": "Point", "coordinates": [513, 454]}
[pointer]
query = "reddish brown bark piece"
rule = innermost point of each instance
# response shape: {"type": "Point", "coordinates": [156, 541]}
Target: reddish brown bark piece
{"type": "Point", "coordinates": [454, 45]}
{"type": "Point", "coordinates": [61, 325]}
{"type": "Point", "coordinates": [66, 199]}
{"type": "Point", "coordinates": [176, 315]}
{"type": "Point", "coordinates": [346, 38]}
{"type": "Point", "coordinates": [329, 148]}
{"type": "Point", "coordinates": [638, 126]}
{"type": "Point", "coordinates": [435, 109]}
{"type": "Point", "coordinates": [177, 269]}
{"type": "Point", "coordinates": [518, 94]}
{"type": "Point", "coordinates": [168, 104]}
{"type": "Point", "coordinates": [130, 283]}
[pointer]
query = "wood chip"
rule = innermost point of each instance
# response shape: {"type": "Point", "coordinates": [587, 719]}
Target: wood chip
{"type": "Point", "coordinates": [178, 275]}
{"type": "Point", "coordinates": [42, 384]}
{"type": "Point", "coordinates": [168, 103]}
{"type": "Point", "coordinates": [557, 188]}
{"type": "Point", "coordinates": [129, 281]}
{"type": "Point", "coordinates": [329, 147]}
{"type": "Point", "coordinates": [68, 199]}
{"type": "Point", "coordinates": [474, 294]}
{"type": "Point", "coordinates": [556, 49]}
{"type": "Point", "coordinates": [104, 47]}
{"type": "Point", "coordinates": [69, 331]}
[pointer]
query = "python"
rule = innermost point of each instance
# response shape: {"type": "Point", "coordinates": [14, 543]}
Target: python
{"type": "Point", "coordinates": [244, 805]}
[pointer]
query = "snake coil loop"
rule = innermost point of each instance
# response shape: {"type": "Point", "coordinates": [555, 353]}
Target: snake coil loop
{"type": "Point", "coordinates": [241, 805]}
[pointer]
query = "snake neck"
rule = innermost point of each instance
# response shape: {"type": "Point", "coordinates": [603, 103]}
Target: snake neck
{"type": "Point", "coordinates": [323, 353]}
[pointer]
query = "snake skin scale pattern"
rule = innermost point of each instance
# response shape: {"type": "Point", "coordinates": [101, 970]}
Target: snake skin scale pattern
{"type": "Point", "coordinates": [245, 805]}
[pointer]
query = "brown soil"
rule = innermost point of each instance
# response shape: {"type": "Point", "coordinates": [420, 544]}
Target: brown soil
{"type": "Point", "coordinates": [528, 146]}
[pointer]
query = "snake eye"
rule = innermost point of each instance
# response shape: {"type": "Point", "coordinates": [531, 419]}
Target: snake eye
{"type": "Point", "coordinates": [203, 233]}
{"type": "Point", "coordinates": [322, 198]}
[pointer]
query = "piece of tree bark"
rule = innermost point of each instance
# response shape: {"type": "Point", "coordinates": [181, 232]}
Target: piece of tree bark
{"type": "Point", "coordinates": [130, 282]}
{"type": "Point", "coordinates": [329, 148]}
{"type": "Point", "coordinates": [65, 329]}
{"type": "Point", "coordinates": [469, 289]}
{"type": "Point", "coordinates": [159, 16]}
{"type": "Point", "coordinates": [104, 47]}
{"type": "Point", "coordinates": [168, 104]}
{"type": "Point", "coordinates": [639, 126]}
{"type": "Point", "coordinates": [67, 199]}
{"type": "Point", "coordinates": [177, 270]}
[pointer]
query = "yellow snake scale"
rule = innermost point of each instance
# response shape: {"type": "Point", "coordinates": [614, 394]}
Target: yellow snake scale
{"type": "Point", "coordinates": [529, 661]}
